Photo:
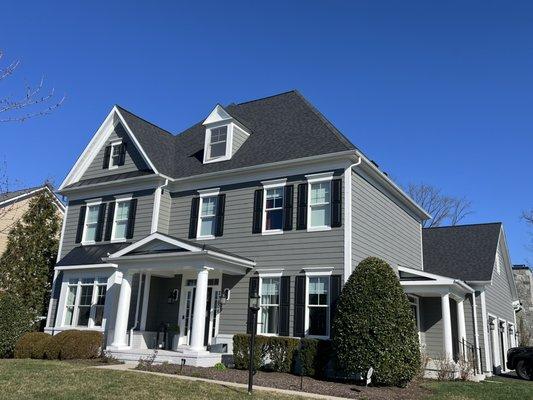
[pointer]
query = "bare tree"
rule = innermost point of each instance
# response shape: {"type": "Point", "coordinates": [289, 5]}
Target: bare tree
{"type": "Point", "coordinates": [36, 100]}
{"type": "Point", "coordinates": [528, 216]}
{"type": "Point", "coordinates": [443, 209]}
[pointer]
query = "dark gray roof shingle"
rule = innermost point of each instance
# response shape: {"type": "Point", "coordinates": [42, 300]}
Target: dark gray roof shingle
{"type": "Point", "coordinates": [284, 127]}
{"type": "Point", "coordinates": [86, 255]}
{"type": "Point", "coordinates": [465, 252]}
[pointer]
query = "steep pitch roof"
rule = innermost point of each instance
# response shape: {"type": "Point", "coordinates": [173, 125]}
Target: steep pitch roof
{"type": "Point", "coordinates": [87, 255]}
{"type": "Point", "coordinates": [9, 197]}
{"type": "Point", "coordinates": [465, 252]}
{"type": "Point", "coordinates": [284, 127]}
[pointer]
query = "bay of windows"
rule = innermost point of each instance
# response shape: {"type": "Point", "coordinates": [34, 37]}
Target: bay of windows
{"type": "Point", "coordinates": [85, 301]}
{"type": "Point", "coordinates": [318, 305]}
{"type": "Point", "coordinates": [269, 292]}
{"type": "Point", "coordinates": [273, 209]}
{"type": "Point", "coordinates": [319, 204]}
{"type": "Point", "coordinates": [207, 218]}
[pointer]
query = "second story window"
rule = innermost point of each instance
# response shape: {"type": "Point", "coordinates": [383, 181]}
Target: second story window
{"type": "Point", "coordinates": [217, 142]}
{"type": "Point", "coordinates": [207, 220]}
{"type": "Point", "coordinates": [91, 223]}
{"type": "Point", "coordinates": [273, 210]}
{"type": "Point", "coordinates": [319, 204]}
{"type": "Point", "coordinates": [120, 223]}
{"type": "Point", "coordinates": [116, 151]}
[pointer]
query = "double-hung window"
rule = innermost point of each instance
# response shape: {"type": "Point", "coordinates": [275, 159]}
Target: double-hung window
{"type": "Point", "coordinates": [91, 223]}
{"type": "Point", "coordinates": [269, 293]}
{"type": "Point", "coordinates": [101, 290]}
{"type": "Point", "coordinates": [115, 154]}
{"type": "Point", "coordinates": [85, 301]}
{"type": "Point", "coordinates": [217, 142]}
{"type": "Point", "coordinates": [207, 217]}
{"type": "Point", "coordinates": [273, 218]}
{"type": "Point", "coordinates": [72, 291]}
{"type": "Point", "coordinates": [319, 204]}
{"type": "Point", "coordinates": [318, 305]}
{"type": "Point", "coordinates": [120, 222]}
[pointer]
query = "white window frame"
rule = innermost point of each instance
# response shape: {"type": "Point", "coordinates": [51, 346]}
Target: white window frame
{"type": "Point", "coordinates": [415, 301]}
{"type": "Point", "coordinates": [314, 274]}
{"type": "Point", "coordinates": [318, 178]}
{"type": "Point", "coordinates": [94, 203]}
{"type": "Point", "coordinates": [113, 146]}
{"type": "Point", "coordinates": [205, 194]}
{"type": "Point", "coordinates": [229, 143]}
{"type": "Point", "coordinates": [263, 275]}
{"type": "Point", "coordinates": [274, 184]}
{"type": "Point", "coordinates": [97, 282]}
{"type": "Point", "coordinates": [113, 230]}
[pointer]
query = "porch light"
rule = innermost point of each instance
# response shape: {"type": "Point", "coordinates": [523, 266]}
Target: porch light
{"type": "Point", "coordinates": [254, 302]}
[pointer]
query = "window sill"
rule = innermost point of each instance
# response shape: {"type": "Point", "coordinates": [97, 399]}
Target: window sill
{"type": "Point", "coordinates": [88, 243]}
{"type": "Point", "coordinates": [118, 240]}
{"type": "Point", "coordinates": [273, 232]}
{"type": "Point", "coordinates": [326, 337]}
{"type": "Point", "coordinates": [78, 328]}
{"type": "Point", "coordinates": [267, 334]}
{"type": "Point", "coordinates": [205, 237]}
{"type": "Point", "coordinates": [319, 229]}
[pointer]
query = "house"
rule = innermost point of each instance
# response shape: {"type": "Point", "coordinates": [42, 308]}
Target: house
{"type": "Point", "coordinates": [14, 204]}
{"type": "Point", "coordinates": [476, 259]}
{"type": "Point", "coordinates": [167, 236]}
{"type": "Point", "coordinates": [523, 277]}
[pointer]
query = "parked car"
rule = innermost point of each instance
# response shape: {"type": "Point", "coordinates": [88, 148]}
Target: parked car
{"type": "Point", "coordinates": [521, 360]}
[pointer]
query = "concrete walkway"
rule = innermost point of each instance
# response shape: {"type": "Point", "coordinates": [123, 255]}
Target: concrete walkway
{"type": "Point", "coordinates": [131, 368]}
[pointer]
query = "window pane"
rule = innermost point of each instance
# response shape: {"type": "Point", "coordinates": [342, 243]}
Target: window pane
{"type": "Point", "coordinates": [71, 295]}
{"type": "Point", "coordinates": [90, 232]}
{"type": "Point", "coordinates": [69, 315]}
{"type": "Point", "coordinates": [83, 315]}
{"type": "Point", "coordinates": [274, 198]}
{"type": "Point", "coordinates": [274, 220]}
{"type": "Point", "coordinates": [207, 226]}
{"type": "Point", "coordinates": [318, 321]}
{"type": "Point", "coordinates": [209, 206]}
{"type": "Point", "coordinates": [120, 229]}
{"type": "Point", "coordinates": [86, 295]}
{"type": "Point", "coordinates": [320, 193]}
{"type": "Point", "coordinates": [98, 315]}
{"type": "Point", "coordinates": [92, 214]}
{"type": "Point", "coordinates": [270, 291]}
{"type": "Point", "coordinates": [318, 290]}
{"type": "Point", "coordinates": [219, 134]}
{"type": "Point", "coordinates": [269, 319]}
{"type": "Point", "coordinates": [217, 149]}
{"type": "Point", "coordinates": [123, 208]}
{"type": "Point", "coordinates": [320, 215]}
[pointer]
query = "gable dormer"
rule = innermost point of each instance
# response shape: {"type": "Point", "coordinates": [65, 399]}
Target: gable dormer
{"type": "Point", "coordinates": [224, 135]}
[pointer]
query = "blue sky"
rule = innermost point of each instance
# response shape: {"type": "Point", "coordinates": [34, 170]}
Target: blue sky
{"type": "Point", "coordinates": [436, 92]}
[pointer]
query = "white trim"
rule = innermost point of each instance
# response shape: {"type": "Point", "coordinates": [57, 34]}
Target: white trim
{"type": "Point", "coordinates": [146, 296]}
{"type": "Point", "coordinates": [62, 236]}
{"type": "Point", "coordinates": [269, 185]}
{"type": "Point", "coordinates": [211, 193]}
{"type": "Point", "coordinates": [311, 180]}
{"type": "Point", "coordinates": [484, 321]}
{"type": "Point", "coordinates": [324, 176]}
{"type": "Point", "coordinates": [318, 270]}
{"type": "Point", "coordinates": [110, 162]}
{"type": "Point", "coordinates": [259, 313]}
{"type": "Point", "coordinates": [317, 274]}
{"type": "Point", "coordinates": [59, 204]}
{"type": "Point", "coordinates": [217, 115]}
{"type": "Point", "coordinates": [274, 183]}
{"type": "Point", "coordinates": [269, 274]}
{"type": "Point", "coordinates": [155, 210]}
{"type": "Point", "coordinates": [348, 267]}
{"type": "Point", "coordinates": [84, 266]}
{"type": "Point", "coordinates": [90, 203]}
{"type": "Point", "coordinates": [229, 142]}
{"type": "Point", "coordinates": [113, 226]}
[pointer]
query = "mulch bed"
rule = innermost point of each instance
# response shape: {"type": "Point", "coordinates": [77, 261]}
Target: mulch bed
{"type": "Point", "coordinates": [292, 382]}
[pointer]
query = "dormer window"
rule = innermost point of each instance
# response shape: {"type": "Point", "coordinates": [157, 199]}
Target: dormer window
{"type": "Point", "coordinates": [218, 142]}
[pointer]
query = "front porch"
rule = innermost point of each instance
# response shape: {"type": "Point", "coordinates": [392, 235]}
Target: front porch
{"type": "Point", "coordinates": [168, 301]}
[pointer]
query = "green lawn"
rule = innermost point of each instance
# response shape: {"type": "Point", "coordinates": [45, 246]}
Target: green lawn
{"type": "Point", "coordinates": [36, 379]}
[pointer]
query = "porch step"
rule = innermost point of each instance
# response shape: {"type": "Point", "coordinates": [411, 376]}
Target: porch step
{"type": "Point", "coordinates": [195, 359]}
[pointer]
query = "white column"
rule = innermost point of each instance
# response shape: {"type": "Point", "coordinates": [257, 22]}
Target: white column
{"type": "Point", "coordinates": [123, 311]}
{"type": "Point", "coordinates": [146, 298]}
{"type": "Point", "coordinates": [496, 362]}
{"type": "Point", "coordinates": [447, 326]}
{"type": "Point", "coordinates": [200, 303]}
{"type": "Point", "coordinates": [485, 324]}
{"type": "Point", "coordinates": [461, 328]}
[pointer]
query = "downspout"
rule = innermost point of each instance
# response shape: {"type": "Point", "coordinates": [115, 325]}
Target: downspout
{"type": "Point", "coordinates": [348, 219]}
{"type": "Point", "coordinates": [136, 310]}
{"type": "Point", "coordinates": [476, 333]}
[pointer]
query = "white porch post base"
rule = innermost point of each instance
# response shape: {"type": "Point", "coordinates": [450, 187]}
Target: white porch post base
{"type": "Point", "coordinates": [447, 327]}
{"type": "Point", "coordinates": [200, 303]}
{"type": "Point", "coordinates": [461, 328]}
{"type": "Point", "coordinates": [120, 334]}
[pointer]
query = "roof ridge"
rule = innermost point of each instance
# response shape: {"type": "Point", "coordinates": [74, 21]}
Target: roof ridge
{"type": "Point", "coordinates": [464, 225]}
{"type": "Point", "coordinates": [144, 120]}
{"type": "Point", "coordinates": [264, 98]}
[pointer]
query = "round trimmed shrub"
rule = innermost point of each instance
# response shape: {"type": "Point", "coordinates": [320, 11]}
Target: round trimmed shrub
{"type": "Point", "coordinates": [16, 318]}
{"type": "Point", "coordinates": [74, 344]}
{"type": "Point", "coordinates": [31, 345]}
{"type": "Point", "coordinates": [374, 326]}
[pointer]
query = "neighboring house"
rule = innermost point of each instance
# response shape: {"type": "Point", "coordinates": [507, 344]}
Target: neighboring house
{"type": "Point", "coordinates": [523, 277]}
{"type": "Point", "coordinates": [14, 204]}
{"type": "Point", "coordinates": [265, 196]}
{"type": "Point", "coordinates": [477, 259]}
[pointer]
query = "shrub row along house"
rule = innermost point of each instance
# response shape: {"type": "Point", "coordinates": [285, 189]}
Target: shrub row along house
{"type": "Point", "coordinates": [167, 236]}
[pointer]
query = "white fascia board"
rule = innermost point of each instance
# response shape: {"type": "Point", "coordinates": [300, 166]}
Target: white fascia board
{"type": "Point", "coordinates": [424, 274]}
{"type": "Point", "coordinates": [110, 187]}
{"type": "Point", "coordinates": [59, 204]}
{"type": "Point", "coordinates": [152, 237]}
{"type": "Point", "coordinates": [85, 266]}
{"type": "Point", "coordinates": [218, 114]}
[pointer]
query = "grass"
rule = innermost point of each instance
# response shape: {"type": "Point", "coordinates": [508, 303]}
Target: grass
{"type": "Point", "coordinates": [32, 379]}
{"type": "Point", "coordinates": [495, 388]}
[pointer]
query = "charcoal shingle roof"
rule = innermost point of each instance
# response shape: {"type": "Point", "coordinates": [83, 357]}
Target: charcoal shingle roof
{"type": "Point", "coordinates": [284, 127]}
{"type": "Point", "coordinates": [465, 252]}
{"type": "Point", "coordinates": [86, 255]}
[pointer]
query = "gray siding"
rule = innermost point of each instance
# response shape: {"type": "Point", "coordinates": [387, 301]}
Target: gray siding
{"type": "Point", "coordinates": [132, 162]}
{"type": "Point", "coordinates": [291, 250]}
{"type": "Point", "coordinates": [431, 326]}
{"type": "Point", "coordinates": [239, 137]}
{"type": "Point", "coordinates": [382, 228]}
{"type": "Point", "coordinates": [498, 295]}
{"type": "Point", "coordinates": [143, 218]}
{"type": "Point", "coordinates": [164, 212]}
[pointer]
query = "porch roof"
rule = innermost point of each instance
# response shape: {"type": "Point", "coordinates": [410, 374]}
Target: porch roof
{"type": "Point", "coordinates": [90, 254]}
{"type": "Point", "coordinates": [427, 284]}
{"type": "Point", "coordinates": [165, 250]}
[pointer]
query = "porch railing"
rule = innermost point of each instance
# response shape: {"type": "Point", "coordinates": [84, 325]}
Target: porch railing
{"type": "Point", "coordinates": [471, 354]}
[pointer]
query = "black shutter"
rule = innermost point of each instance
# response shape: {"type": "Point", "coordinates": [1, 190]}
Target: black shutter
{"type": "Point", "coordinates": [81, 223]}
{"type": "Point", "coordinates": [287, 208]}
{"type": "Point", "coordinates": [100, 224]}
{"type": "Point", "coordinates": [221, 205]}
{"type": "Point", "coordinates": [336, 203]}
{"type": "Point", "coordinates": [131, 218]}
{"type": "Point", "coordinates": [299, 306]}
{"type": "Point", "coordinates": [284, 305]}
{"type": "Point", "coordinates": [109, 221]}
{"type": "Point", "coordinates": [258, 211]}
{"type": "Point", "coordinates": [193, 223]}
{"type": "Point", "coordinates": [301, 217]}
{"type": "Point", "coordinates": [107, 155]}
{"type": "Point", "coordinates": [335, 293]}
{"type": "Point", "coordinates": [253, 288]}
{"type": "Point", "coordinates": [122, 154]}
